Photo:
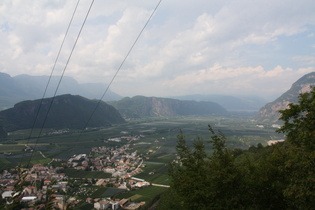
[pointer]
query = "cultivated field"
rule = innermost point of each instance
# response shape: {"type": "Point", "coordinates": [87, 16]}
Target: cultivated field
{"type": "Point", "coordinates": [156, 145]}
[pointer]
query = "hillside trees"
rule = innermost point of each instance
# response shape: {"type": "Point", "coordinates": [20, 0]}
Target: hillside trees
{"type": "Point", "coordinates": [299, 126]}
{"type": "Point", "coordinates": [300, 169]}
{"type": "Point", "coordinates": [3, 133]}
{"type": "Point", "coordinates": [280, 176]}
{"type": "Point", "coordinates": [202, 181]}
{"type": "Point", "coordinates": [299, 121]}
{"type": "Point", "coordinates": [226, 178]}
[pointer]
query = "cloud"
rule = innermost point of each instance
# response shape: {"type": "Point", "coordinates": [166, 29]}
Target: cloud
{"type": "Point", "coordinates": [241, 80]}
{"type": "Point", "coordinates": [188, 46]}
{"type": "Point", "coordinates": [305, 60]}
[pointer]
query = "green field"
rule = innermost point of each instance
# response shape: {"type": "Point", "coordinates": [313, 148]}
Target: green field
{"type": "Point", "coordinates": [158, 175]}
{"type": "Point", "coordinates": [156, 146]}
{"type": "Point", "coordinates": [145, 194]}
{"type": "Point", "coordinates": [105, 192]}
{"type": "Point", "coordinates": [159, 136]}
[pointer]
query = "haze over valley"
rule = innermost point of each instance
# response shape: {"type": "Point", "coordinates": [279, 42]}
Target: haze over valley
{"type": "Point", "coordinates": [157, 104]}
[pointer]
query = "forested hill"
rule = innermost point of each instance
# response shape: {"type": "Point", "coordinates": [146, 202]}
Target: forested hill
{"type": "Point", "coordinates": [141, 106]}
{"type": "Point", "coordinates": [270, 112]}
{"type": "Point", "coordinates": [3, 134]}
{"type": "Point", "coordinates": [67, 111]}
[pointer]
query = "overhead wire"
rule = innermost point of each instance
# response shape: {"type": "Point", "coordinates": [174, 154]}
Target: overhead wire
{"type": "Point", "coordinates": [120, 66]}
{"type": "Point", "coordinates": [61, 77]}
{"type": "Point", "coordinates": [49, 79]}
{"type": "Point", "coordinates": [106, 90]}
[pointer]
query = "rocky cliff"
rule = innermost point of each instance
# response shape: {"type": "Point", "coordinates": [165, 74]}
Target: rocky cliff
{"type": "Point", "coordinates": [270, 112]}
{"type": "Point", "coordinates": [141, 106]}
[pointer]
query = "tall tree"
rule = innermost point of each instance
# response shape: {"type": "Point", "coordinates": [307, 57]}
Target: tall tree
{"type": "Point", "coordinates": [299, 126]}
{"type": "Point", "coordinates": [299, 121]}
{"type": "Point", "coordinates": [206, 181]}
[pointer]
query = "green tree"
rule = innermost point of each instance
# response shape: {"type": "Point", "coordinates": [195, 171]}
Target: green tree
{"type": "Point", "coordinates": [300, 168]}
{"type": "Point", "coordinates": [224, 179]}
{"type": "Point", "coordinates": [299, 121]}
{"type": "Point", "coordinates": [280, 176]}
{"type": "Point", "coordinates": [299, 126]}
{"type": "Point", "coordinates": [187, 173]}
{"type": "Point", "coordinates": [204, 181]}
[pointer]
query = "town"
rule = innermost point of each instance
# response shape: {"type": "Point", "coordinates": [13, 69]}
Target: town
{"type": "Point", "coordinates": [43, 182]}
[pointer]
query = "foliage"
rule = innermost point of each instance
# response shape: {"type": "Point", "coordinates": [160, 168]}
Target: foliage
{"type": "Point", "coordinates": [300, 190]}
{"type": "Point", "coordinates": [202, 181]}
{"type": "Point", "coordinates": [280, 176]}
{"type": "Point", "coordinates": [299, 121]}
{"type": "Point", "coordinates": [3, 133]}
{"type": "Point", "coordinates": [273, 177]}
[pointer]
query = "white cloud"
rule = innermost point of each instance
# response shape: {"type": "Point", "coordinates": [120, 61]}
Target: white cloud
{"type": "Point", "coordinates": [241, 80]}
{"type": "Point", "coordinates": [188, 47]}
{"type": "Point", "coordinates": [305, 60]}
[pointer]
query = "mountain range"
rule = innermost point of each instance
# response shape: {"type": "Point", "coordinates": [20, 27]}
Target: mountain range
{"type": "Point", "coordinates": [71, 111]}
{"type": "Point", "coordinates": [25, 87]}
{"type": "Point", "coordinates": [141, 106]}
{"type": "Point", "coordinates": [270, 112]}
{"type": "Point", "coordinates": [230, 103]}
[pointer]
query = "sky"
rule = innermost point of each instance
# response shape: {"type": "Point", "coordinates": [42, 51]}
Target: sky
{"type": "Point", "coordinates": [244, 47]}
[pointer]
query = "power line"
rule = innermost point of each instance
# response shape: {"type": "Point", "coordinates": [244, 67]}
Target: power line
{"type": "Point", "coordinates": [122, 63]}
{"type": "Point", "coordinates": [49, 79]}
{"type": "Point", "coordinates": [63, 72]}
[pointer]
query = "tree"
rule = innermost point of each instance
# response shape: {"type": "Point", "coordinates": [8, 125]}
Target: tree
{"type": "Point", "coordinates": [188, 172]}
{"type": "Point", "coordinates": [299, 126]}
{"type": "Point", "coordinates": [204, 181]}
{"type": "Point", "coordinates": [300, 168]}
{"type": "Point", "coordinates": [280, 176]}
{"type": "Point", "coordinates": [299, 121]}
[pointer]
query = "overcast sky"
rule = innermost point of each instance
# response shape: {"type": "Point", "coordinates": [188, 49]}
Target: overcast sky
{"type": "Point", "coordinates": [244, 47]}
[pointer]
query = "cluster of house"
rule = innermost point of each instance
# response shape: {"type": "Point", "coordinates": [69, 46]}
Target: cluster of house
{"type": "Point", "coordinates": [115, 204]}
{"type": "Point", "coordinates": [116, 161]}
{"type": "Point", "coordinates": [127, 137]}
{"type": "Point", "coordinates": [35, 184]}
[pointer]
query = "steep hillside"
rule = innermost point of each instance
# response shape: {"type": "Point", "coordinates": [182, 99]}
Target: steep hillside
{"type": "Point", "coordinates": [3, 134]}
{"type": "Point", "coordinates": [26, 87]}
{"type": "Point", "coordinates": [67, 111]}
{"type": "Point", "coordinates": [140, 106]}
{"type": "Point", "coordinates": [269, 113]}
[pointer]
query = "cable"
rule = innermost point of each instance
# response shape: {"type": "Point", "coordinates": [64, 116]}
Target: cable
{"type": "Point", "coordinates": [120, 66]}
{"type": "Point", "coordinates": [53, 98]}
{"type": "Point", "coordinates": [49, 79]}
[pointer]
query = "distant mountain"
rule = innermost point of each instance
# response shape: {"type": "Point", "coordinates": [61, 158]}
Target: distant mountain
{"type": "Point", "coordinates": [26, 87]}
{"type": "Point", "coordinates": [231, 103]}
{"type": "Point", "coordinates": [269, 113]}
{"type": "Point", "coordinates": [67, 111]}
{"type": "Point", "coordinates": [141, 106]}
